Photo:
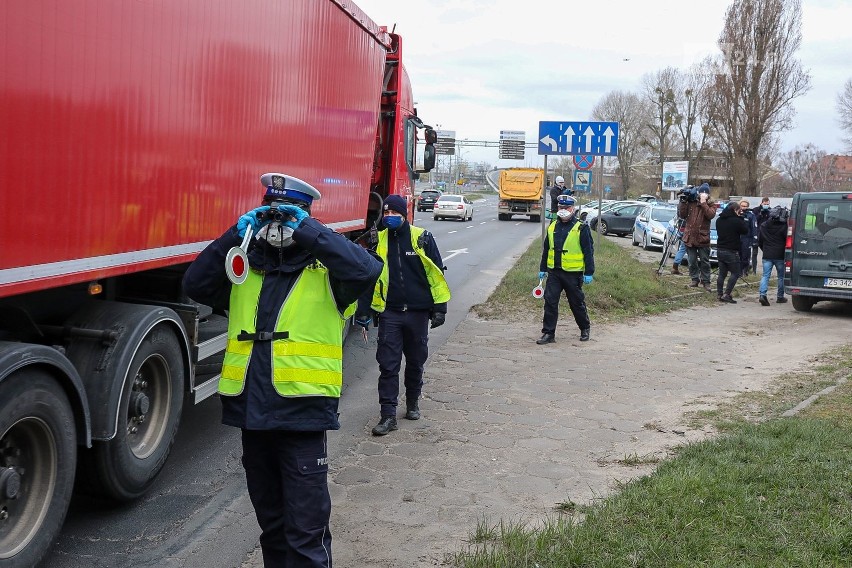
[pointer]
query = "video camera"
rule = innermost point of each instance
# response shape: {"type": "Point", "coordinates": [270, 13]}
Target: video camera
{"type": "Point", "coordinates": [688, 194]}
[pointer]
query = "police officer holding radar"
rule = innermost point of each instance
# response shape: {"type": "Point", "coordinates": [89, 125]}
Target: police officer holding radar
{"type": "Point", "coordinates": [410, 297]}
{"type": "Point", "coordinates": [568, 255]}
{"type": "Point", "coordinates": [282, 373]}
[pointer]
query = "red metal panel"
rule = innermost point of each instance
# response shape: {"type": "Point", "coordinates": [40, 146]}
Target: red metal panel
{"type": "Point", "coordinates": [133, 132]}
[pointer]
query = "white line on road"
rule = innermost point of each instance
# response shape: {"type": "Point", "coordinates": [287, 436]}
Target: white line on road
{"type": "Point", "coordinates": [451, 232]}
{"type": "Point", "coordinates": [454, 253]}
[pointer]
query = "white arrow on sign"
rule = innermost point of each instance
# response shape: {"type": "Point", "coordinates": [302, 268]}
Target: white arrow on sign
{"type": "Point", "coordinates": [569, 135]}
{"type": "Point", "coordinates": [547, 140]}
{"type": "Point", "coordinates": [455, 253]}
{"type": "Point", "coordinates": [608, 134]}
{"type": "Point", "coordinates": [589, 134]}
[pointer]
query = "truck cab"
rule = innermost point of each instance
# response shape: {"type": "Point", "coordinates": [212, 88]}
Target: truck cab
{"type": "Point", "coordinates": [818, 255]}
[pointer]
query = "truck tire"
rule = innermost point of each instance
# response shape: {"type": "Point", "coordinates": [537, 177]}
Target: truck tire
{"type": "Point", "coordinates": [535, 218]}
{"type": "Point", "coordinates": [803, 303]}
{"type": "Point", "coordinates": [502, 217]}
{"type": "Point", "coordinates": [37, 458]}
{"type": "Point", "coordinates": [124, 467]}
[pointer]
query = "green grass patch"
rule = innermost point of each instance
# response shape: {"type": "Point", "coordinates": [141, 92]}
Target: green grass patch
{"type": "Point", "coordinates": [775, 494]}
{"type": "Point", "coordinates": [623, 288]}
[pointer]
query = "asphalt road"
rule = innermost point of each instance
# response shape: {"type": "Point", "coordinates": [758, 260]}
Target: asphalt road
{"type": "Point", "coordinates": [197, 514]}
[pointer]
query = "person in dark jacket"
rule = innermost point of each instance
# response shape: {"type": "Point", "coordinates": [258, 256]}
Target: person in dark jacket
{"type": "Point", "coordinates": [282, 374]}
{"type": "Point", "coordinates": [410, 297]}
{"type": "Point", "coordinates": [568, 262]}
{"type": "Point", "coordinates": [696, 235]}
{"type": "Point", "coordinates": [772, 240]}
{"type": "Point", "coordinates": [730, 227]}
{"type": "Point", "coordinates": [761, 214]}
{"type": "Point", "coordinates": [559, 188]}
{"type": "Point", "coordinates": [749, 240]}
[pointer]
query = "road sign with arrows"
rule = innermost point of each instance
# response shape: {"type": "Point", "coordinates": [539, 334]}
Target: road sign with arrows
{"type": "Point", "coordinates": [565, 138]}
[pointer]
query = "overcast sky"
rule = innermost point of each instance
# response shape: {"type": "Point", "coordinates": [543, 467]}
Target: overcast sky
{"type": "Point", "coordinates": [481, 66]}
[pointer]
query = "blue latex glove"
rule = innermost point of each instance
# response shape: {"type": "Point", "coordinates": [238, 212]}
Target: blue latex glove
{"type": "Point", "coordinates": [587, 279]}
{"type": "Point", "coordinates": [293, 211]}
{"type": "Point", "coordinates": [251, 219]}
{"type": "Point", "coordinates": [363, 320]}
{"type": "Point", "coordinates": [542, 275]}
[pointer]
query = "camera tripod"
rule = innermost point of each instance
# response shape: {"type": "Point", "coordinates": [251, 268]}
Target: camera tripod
{"type": "Point", "coordinates": [672, 244]}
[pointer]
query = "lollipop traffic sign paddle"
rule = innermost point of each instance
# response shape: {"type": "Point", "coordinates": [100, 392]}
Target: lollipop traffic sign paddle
{"type": "Point", "coordinates": [538, 291]}
{"type": "Point", "coordinates": [236, 261]}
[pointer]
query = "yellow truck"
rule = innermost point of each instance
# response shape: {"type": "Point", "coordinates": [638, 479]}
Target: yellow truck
{"type": "Point", "coordinates": [520, 193]}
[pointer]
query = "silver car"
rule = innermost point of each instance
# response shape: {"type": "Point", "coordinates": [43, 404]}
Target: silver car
{"type": "Point", "coordinates": [650, 226]}
{"type": "Point", "coordinates": [453, 206]}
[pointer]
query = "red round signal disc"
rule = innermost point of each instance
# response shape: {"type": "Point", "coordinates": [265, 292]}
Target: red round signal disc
{"type": "Point", "coordinates": [238, 265]}
{"type": "Point", "coordinates": [538, 292]}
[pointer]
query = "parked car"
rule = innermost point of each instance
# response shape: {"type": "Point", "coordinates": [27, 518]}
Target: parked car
{"type": "Point", "coordinates": [593, 213]}
{"type": "Point", "coordinates": [618, 220]}
{"type": "Point", "coordinates": [427, 198]}
{"type": "Point", "coordinates": [649, 229]}
{"type": "Point", "coordinates": [819, 250]}
{"type": "Point", "coordinates": [455, 206]}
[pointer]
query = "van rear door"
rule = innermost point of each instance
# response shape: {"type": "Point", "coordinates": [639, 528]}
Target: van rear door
{"type": "Point", "coordinates": [821, 248]}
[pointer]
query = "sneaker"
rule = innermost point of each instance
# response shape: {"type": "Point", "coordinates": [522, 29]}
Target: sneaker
{"type": "Point", "coordinates": [386, 424]}
{"type": "Point", "coordinates": [707, 287]}
{"type": "Point", "coordinates": [764, 301]}
{"type": "Point", "coordinates": [781, 301]}
{"type": "Point", "coordinates": [728, 299]}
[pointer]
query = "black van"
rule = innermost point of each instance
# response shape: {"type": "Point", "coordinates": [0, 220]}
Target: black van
{"type": "Point", "coordinates": [819, 249]}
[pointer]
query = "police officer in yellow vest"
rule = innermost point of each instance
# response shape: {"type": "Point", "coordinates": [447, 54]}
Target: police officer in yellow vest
{"type": "Point", "coordinates": [282, 373]}
{"type": "Point", "coordinates": [568, 256]}
{"type": "Point", "coordinates": [410, 293]}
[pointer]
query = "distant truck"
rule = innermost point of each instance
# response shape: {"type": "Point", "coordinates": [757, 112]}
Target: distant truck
{"type": "Point", "coordinates": [131, 135]}
{"type": "Point", "coordinates": [520, 193]}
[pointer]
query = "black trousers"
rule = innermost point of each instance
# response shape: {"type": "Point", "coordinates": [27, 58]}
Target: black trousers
{"type": "Point", "coordinates": [729, 262]}
{"type": "Point", "coordinates": [572, 284]}
{"type": "Point", "coordinates": [401, 333]}
{"type": "Point", "coordinates": [287, 478]}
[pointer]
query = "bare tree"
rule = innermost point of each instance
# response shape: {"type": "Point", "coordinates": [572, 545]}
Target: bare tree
{"type": "Point", "coordinates": [805, 166]}
{"type": "Point", "coordinates": [761, 78]}
{"type": "Point", "coordinates": [660, 90]}
{"type": "Point", "coordinates": [691, 118]}
{"type": "Point", "coordinates": [632, 114]}
{"type": "Point", "coordinates": [844, 109]}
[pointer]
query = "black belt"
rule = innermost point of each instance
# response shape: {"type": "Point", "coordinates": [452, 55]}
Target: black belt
{"type": "Point", "coordinates": [263, 335]}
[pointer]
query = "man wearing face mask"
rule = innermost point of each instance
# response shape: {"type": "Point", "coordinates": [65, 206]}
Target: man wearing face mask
{"type": "Point", "coordinates": [568, 262]}
{"type": "Point", "coordinates": [410, 297]}
{"type": "Point", "coordinates": [761, 215]}
{"type": "Point", "coordinates": [282, 374]}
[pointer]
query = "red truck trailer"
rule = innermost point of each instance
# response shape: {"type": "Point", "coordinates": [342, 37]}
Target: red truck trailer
{"type": "Point", "coordinates": [131, 135]}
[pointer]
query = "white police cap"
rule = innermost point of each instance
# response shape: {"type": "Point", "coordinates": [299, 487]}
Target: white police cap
{"type": "Point", "coordinates": [282, 187]}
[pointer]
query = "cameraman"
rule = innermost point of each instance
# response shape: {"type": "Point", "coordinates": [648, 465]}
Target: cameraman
{"type": "Point", "coordinates": [696, 209]}
{"type": "Point", "coordinates": [730, 227]}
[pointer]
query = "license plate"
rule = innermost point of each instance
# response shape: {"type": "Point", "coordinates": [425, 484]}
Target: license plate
{"type": "Point", "coordinates": [838, 283]}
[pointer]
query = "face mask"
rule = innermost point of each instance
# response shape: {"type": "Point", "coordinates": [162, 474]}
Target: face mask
{"type": "Point", "coordinates": [392, 221]}
{"type": "Point", "coordinates": [765, 207]}
{"type": "Point", "coordinates": [564, 214]}
{"type": "Point", "coordinates": [277, 235]}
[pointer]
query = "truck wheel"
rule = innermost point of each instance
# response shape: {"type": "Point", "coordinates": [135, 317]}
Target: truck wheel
{"type": "Point", "coordinates": [803, 303]}
{"type": "Point", "coordinates": [502, 217]}
{"type": "Point", "coordinates": [535, 218]}
{"type": "Point", "coordinates": [148, 415]}
{"type": "Point", "coordinates": [37, 458]}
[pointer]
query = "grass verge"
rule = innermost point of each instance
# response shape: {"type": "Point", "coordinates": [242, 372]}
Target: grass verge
{"type": "Point", "coordinates": [622, 288]}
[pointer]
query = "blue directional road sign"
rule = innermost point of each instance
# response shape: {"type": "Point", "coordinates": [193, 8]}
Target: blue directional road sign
{"type": "Point", "coordinates": [568, 138]}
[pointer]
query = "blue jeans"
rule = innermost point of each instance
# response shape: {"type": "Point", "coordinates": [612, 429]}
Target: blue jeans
{"type": "Point", "coordinates": [681, 252]}
{"type": "Point", "coordinates": [779, 272]}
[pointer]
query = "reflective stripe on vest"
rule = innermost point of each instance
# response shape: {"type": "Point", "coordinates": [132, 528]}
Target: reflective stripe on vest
{"type": "Point", "coordinates": [438, 286]}
{"type": "Point", "coordinates": [309, 362]}
{"type": "Point", "coordinates": [572, 254]}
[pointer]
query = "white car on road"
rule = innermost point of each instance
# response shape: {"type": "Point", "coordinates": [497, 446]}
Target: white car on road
{"type": "Point", "coordinates": [453, 206]}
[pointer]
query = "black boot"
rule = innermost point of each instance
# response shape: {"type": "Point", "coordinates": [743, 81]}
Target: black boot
{"type": "Point", "coordinates": [412, 410]}
{"type": "Point", "coordinates": [385, 425]}
{"type": "Point", "coordinates": [546, 338]}
{"type": "Point", "coordinates": [584, 334]}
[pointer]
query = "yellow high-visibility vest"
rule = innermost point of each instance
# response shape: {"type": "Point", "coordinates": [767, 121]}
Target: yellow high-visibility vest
{"type": "Point", "coordinates": [309, 360]}
{"type": "Point", "coordinates": [435, 276]}
{"type": "Point", "coordinates": [572, 254]}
